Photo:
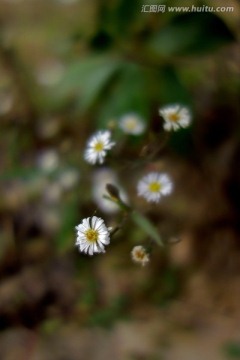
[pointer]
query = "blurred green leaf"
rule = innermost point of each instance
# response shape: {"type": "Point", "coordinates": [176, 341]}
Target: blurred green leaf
{"type": "Point", "coordinates": [106, 316]}
{"type": "Point", "coordinates": [125, 14]}
{"type": "Point", "coordinates": [169, 87]}
{"type": "Point", "coordinates": [69, 216]}
{"type": "Point", "coordinates": [181, 142]}
{"type": "Point", "coordinates": [87, 78]}
{"type": "Point", "coordinates": [232, 350]}
{"type": "Point", "coordinates": [129, 93]}
{"type": "Point", "coordinates": [141, 221]}
{"type": "Point", "coordinates": [168, 288]}
{"type": "Point", "coordinates": [21, 173]}
{"type": "Point", "coordinates": [190, 34]}
{"type": "Point", "coordinates": [118, 17]}
{"type": "Point", "coordinates": [170, 285]}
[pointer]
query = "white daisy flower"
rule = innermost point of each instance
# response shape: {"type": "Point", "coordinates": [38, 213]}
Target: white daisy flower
{"type": "Point", "coordinates": [175, 117]}
{"type": "Point", "coordinates": [154, 185]}
{"type": "Point", "coordinates": [132, 124]}
{"type": "Point", "coordinates": [139, 255]}
{"type": "Point", "coordinates": [92, 235]}
{"type": "Point", "coordinates": [97, 147]}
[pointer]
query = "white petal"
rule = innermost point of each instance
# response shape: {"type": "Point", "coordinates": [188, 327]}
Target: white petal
{"type": "Point", "coordinates": [104, 240]}
{"type": "Point", "coordinates": [98, 224]}
{"type": "Point", "coordinates": [86, 223]}
{"type": "Point", "coordinates": [100, 246]}
{"type": "Point", "coordinates": [91, 250]}
{"type": "Point", "coordinates": [94, 220]}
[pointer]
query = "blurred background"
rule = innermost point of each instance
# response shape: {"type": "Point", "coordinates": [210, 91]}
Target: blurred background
{"type": "Point", "coordinates": [68, 68]}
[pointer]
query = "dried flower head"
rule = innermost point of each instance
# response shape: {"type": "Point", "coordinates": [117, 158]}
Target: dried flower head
{"type": "Point", "coordinates": [132, 124]}
{"type": "Point", "coordinates": [97, 147]}
{"type": "Point", "coordinates": [92, 235]}
{"type": "Point", "coordinates": [139, 255]}
{"type": "Point", "coordinates": [175, 117]}
{"type": "Point", "coordinates": [154, 185]}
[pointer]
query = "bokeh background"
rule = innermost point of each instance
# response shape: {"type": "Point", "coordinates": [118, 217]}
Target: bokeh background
{"type": "Point", "coordinates": [68, 68]}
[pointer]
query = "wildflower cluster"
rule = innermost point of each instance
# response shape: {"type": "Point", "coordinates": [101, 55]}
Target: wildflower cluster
{"type": "Point", "coordinates": [92, 233]}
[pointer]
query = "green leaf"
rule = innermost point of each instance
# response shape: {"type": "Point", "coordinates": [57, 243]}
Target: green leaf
{"type": "Point", "coordinates": [87, 78]}
{"type": "Point", "coordinates": [146, 226]}
{"type": "Point", "coordinates": [191, 34]}
{"type": "Point", "coordinates": [69, 214]}
{"type": "Point", "coordinates": [118, 17]}
{"type": "Point", "coordinates": [232, 350]}
{"type": "Point", "coordinates": [181, 142]}
{"type": "Point", "coordinates": [21, 173]}
{"type": "Point", "coordinates": [127, 94]}
{"type": "Point", "coordinates": [125, 15]}
{"type": "Point", "coordinates": [169, 87]}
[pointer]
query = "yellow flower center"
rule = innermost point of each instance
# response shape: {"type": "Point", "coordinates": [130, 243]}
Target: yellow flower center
{"type": "Point", "coordinates": [98, 146]}
{"type": "Point", "coordinates": [91, 235]}
{"type": "Point", "coordinates": [174, 117]}
{"type": "Point", "coordinates": [140, 254]}
{"type": "Point", "coordinates": [154, 186]}
{"type": "Point", "coordinates": [130, 124]}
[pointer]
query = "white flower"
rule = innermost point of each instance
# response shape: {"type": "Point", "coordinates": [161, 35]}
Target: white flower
{"type": "Point", "coordinates": [69, 178]}
{"type": "Point", "coordinates": [102, 177]}
{"type": "Point", "coordinates": [139, 255]}
{"type": "Point", "coordinates": [97, 147]}
{"type": "Point", "coordinates": [132, 124]}
{"type": "Point", "coordinates": [92, 235]}
{"type": "Point", "coordinates": [175, 117]}
{"type": "Point", "coordinates": [154, 185]}
{"type": "Point", "coordinates": [48, 160]}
